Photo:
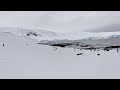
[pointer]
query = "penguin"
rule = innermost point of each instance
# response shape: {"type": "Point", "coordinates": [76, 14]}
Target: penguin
{"type": "Point", "coordinates": [117, 51]}
{"type": "Point", "coordinates": [3, 45]}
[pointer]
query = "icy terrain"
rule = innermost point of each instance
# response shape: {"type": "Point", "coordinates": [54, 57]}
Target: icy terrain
{"type": "Point", "coordinates": [48, 35]}
{"type": "Point", "coordinates": [22, 57]}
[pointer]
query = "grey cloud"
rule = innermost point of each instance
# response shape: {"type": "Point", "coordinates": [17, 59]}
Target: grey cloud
{"type": "Point", "coordinates": [61, 21]}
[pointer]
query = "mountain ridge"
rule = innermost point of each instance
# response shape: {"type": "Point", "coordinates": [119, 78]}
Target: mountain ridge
{"type": "Point", "coordinates": [49, 35]}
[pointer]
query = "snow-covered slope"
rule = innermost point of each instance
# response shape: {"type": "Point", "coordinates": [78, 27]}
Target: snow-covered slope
{"type": "Point", "coordinates": [22, 57]}
{"type": "Point", "coordinates": [48, 35]}
{"type": "Point", "coordinates": [10, 39]}
{"type": "Point", "coordinates": [31, 33]}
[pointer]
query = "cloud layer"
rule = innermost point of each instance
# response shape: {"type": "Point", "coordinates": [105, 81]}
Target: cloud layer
{"type": "Point", "coordinates": [60, 21]}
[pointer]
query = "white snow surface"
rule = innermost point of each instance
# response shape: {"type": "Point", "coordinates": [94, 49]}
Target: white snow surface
{"type": "Point", "coordinates": [22, 57]}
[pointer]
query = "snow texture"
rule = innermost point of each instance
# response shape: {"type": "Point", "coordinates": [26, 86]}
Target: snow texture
{"type": "Point", "coordinates": [22, 57]}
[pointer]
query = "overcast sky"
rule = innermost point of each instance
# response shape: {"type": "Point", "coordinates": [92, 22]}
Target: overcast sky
{"type": "Point", "coordinates": [60, 21]}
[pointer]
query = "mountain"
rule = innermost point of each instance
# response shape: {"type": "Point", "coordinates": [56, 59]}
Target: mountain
{"type": "Point", "coordinates": [31, 33]}
{"type": "Point", "coordinates": [49, 35]}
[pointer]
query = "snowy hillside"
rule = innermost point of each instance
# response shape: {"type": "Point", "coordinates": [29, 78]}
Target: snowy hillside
{"type": "Point", "coordinates": [78, 40]}
{"type": "Point", "coordinates": [22, 57]}
{"type": "Point", "coordinates": [48, 35]}
{"type": "Point", "coordinates": [31, 33]}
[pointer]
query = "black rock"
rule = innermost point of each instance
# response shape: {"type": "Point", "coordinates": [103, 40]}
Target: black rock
{"type": "Point", "coordinates": [79, 53]}
{"type": "Point", "coordinates": [98, 54]}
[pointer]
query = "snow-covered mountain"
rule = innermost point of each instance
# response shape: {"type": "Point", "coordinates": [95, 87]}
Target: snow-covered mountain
{"type": "Point", "coordinates": [49, 35]}
{"type": "Point", "coordinates": [31, 33]}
